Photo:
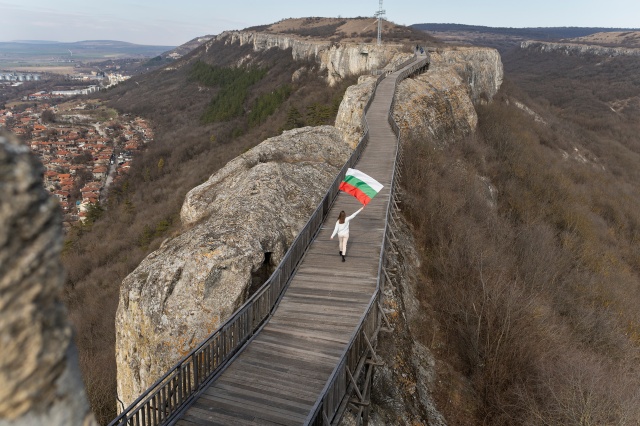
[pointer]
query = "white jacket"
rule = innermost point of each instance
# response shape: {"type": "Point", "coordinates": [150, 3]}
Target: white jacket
{"type": "Point", "coordinates": [342, 229]}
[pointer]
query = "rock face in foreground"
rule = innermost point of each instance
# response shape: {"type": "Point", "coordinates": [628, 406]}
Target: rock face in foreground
{"type": "Point", "coordinates": [351, 111]}
{"type": "Point", "coordinates": [238, 225]}
{"type": "Point", "coordinates": [40, 383]}
{"type": "Point", "coordinates": [440, 102]}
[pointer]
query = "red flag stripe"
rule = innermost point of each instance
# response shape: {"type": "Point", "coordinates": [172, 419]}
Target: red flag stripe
{"type": "Point", "coordinates": [352, 190]}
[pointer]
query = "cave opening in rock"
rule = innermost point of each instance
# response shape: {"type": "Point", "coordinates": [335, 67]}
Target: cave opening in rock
{"type": "Point", "coordinates": [262, 274]}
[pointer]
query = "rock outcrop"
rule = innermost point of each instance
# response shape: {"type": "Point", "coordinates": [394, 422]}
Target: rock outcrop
{"type": "Point", "coordinates": [40, 383]}
{"type": "Point", "coordinates": [480, 68]}
{"type": "Point", "coordinates": [339, 60]}
{"type": "Point", "coordinates": [440, 103]}
{"type": "Point", "coordinates": [351, 111]}
{"type": "Point", "coordinates": [579, 49]}
{"type": "Point", "coordinates": [238, 225]}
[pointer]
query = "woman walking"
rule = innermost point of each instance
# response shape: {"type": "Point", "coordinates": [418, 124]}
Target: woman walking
{"type": "Point", "coordinates": [342, 229]}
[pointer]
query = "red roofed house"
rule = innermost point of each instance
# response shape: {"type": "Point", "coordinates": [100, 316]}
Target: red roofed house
{"type": "Point", "coordinates": [62, 195]}
{"type": "Point", "coordinates": [99, 172]}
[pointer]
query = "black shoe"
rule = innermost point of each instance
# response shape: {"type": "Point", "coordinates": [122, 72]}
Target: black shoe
{"type": "Point", "coordinates": [343, 259]}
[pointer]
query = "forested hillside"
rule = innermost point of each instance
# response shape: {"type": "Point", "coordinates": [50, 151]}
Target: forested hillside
{"type": "Point", "coordinates": [205, 110]}
{"type": "Point", "coordinates": [529, 235]}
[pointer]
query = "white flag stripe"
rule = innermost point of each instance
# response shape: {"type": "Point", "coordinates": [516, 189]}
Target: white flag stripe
{"type": "Point", "coordinates": [374, 184]}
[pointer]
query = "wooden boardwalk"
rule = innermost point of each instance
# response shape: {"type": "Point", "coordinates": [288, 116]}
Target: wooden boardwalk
{"type": "Point", "coordinates": [278, 377]}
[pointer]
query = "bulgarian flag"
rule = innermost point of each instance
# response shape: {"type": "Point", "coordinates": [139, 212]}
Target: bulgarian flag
{"type": "Point", "coordinates": [360, 185]}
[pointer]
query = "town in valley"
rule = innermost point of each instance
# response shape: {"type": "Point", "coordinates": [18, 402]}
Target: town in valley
{"type": "Point", "coordinates": [84, 146]}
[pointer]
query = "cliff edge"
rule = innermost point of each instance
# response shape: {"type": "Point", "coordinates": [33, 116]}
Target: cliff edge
{"type": "Point", "coordinates": [579, 49]}
{"type": "Point", "coordinates": [238, 226]}
{"type": "Point", "coordinates": [339, 60]}
{"type": "Point", "coordinates": [440, 103]}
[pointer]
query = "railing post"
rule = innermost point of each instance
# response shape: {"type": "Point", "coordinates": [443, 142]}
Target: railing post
{"type": "Point", "coordinates": [196, 370]}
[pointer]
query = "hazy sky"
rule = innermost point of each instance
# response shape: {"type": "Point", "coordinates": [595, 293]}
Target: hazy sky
{"type": "Point", "coordinates": [163, 22]}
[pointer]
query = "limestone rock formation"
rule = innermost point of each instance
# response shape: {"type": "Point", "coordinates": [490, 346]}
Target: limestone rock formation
{"type": "Point", "coordinates": [340, 60]}
{"type": "Point", "coordinates": [353, 59]}
{"type": "Point", "coordinates": [579, 49]}
{"type": "Point", "coordinates": [238, 225]}
{"type": "Point", "coordinates": [301, 49]}
{"type": "Point", "coordinates": [481, 69]}
{"type": "Point", "coordinates": [437, 104]}
{"type": "Point", "coordinates": [440, 102]}
{"type": "Point", "coordinates": [40, 383]}
{"type": "Point", "coordinates": [351, 111]}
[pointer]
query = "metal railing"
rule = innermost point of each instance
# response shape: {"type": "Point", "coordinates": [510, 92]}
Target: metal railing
{"type": "Point", "coordinates": [386, 71]}
{"type": "Point", "coordinates": [418, 67]}
{"type": "Point", "coordinates": [177, 388]}
{"type": "Point", "coordinates": [334, 399]}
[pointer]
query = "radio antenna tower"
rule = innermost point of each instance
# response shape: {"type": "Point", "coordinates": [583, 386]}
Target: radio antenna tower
{"type": "Point", "coordinates": [380, 14]}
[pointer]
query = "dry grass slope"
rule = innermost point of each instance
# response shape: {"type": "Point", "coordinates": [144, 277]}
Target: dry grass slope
{"type": "Point", "coordinates": [356, 30]}
{"type": "Point", "coordinates": [613, 39]}
{"type": "Point", "coordinates": [535, 283]}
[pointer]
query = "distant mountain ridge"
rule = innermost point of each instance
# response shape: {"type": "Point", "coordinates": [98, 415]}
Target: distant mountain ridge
{"type": "Point", "coordinates": [115, 43]}
{"type": "Point", "coordinates": [31, 41]}
{"type": "Point", "coordinates": [81, 50]}
{"type": "Point", "coordinates": [538, 33]}
{"type": "Point", "coordinates": [505, 39]}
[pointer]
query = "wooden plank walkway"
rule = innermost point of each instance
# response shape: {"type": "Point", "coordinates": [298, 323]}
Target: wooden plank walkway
{"type": "Point", "coordinates": [278, 377]}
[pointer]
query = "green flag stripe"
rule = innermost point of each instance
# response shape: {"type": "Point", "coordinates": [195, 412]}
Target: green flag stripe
{"type": "Point", "coordinates": [362, 186]}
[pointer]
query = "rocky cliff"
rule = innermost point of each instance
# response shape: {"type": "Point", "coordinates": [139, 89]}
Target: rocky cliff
{"type": "Point", "coordinates": [339, 60]}
{"type": "Point", "coordinates": [351, 111]}
{"type": "Point", "coordinates": [579, 49]}
{"type": "Point", "coordinates": [40, 383]}
{"type": "Point", "coordinates": [238, 225]}
{"type": "Point", "coordinates": [440, 103]}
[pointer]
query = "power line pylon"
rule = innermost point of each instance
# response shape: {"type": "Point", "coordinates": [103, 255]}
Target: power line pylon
{"type": "Point", "coordinates": [380, 14]}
